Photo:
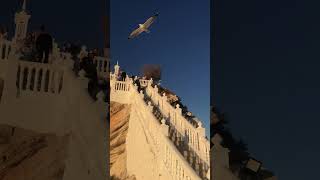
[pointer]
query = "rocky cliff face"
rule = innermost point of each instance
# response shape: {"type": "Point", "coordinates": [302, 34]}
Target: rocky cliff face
{"type": "Point", "coordinates": [31, 156]}
{"type": "Point", "coordinates": [119, 124]}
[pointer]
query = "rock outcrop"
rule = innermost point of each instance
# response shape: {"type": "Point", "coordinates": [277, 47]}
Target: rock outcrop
{"type": "Point", "coordinates": [29, 155]}
{"type": "Point", "coordinates": [119, 124]}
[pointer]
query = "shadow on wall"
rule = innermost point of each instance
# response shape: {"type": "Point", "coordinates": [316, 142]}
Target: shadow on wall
{"type": "Point", "coordinates": [1, 87]}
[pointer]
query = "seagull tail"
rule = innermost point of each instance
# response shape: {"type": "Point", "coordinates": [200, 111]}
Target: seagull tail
{"type": "Point", "coordinates": [146, 30]}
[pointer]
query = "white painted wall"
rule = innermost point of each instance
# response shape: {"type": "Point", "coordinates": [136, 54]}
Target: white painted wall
{"type": "Point", "coordinates": [70, 111]}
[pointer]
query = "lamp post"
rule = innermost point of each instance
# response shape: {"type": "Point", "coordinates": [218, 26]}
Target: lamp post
{"type": "Point", "coordinates": [251, 170]}
{"type": "Point", "coordinates": [253, 165]}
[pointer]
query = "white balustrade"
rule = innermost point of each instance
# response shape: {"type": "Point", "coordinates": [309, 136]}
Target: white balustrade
{"type": "Point", "coordinates": [122, 86]}
{"type": "Point", "coordinates": [38, 77]}
{"type": "Point", "coordinates": [5, 49]}
{"type": "Point", "coordinates": [197, 140]}
{"type": "Point", "coordinates": [102, 64]}
{"type": "Point", "coordinates": [166, 151]}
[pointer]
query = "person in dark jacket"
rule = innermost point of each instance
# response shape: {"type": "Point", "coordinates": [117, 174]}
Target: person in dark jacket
{"type": "Point", "coordinates": [89, 67]}
{"type": "Point", "coordinates": [44, 45]}
{"type": "Point", "coordinates": [137, 82]}
{"type": "Point", "coordinates": [123, 76]}
{"type": "Point", "coordinates": [91, 72]}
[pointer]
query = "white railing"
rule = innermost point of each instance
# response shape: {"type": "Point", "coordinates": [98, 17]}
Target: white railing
{"type": "Point", "coordinates": [195, 136]}
{"type": "Point", "coordinates": [121, 86]}
{"type": "Point", "coordinates": [102, 64]}
{"type": "Point", "coordinates": [5, 49]}
{"type": "Point", "coordinates": [38, 77]}
{"type": "Point", "coordinates": [170, 158]}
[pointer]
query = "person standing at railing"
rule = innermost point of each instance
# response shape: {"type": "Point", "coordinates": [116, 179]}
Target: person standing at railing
{"type": "Point", "coordinates": [44, 45]}
{"type": "Point", "coordinates": [123, 76]}
{"type": "Point", "coordinates": [91, 72]}
{"type": "Point", "coordinates": [3, 33]}
{"type": "Point", "coordinates": [137, 82]}
{"type": "Point", "coordinates": [77, 61]}
{"type": "Point", "coordinates": [29, 51]}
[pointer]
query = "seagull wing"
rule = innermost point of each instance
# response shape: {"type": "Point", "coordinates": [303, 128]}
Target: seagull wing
{"type": "Point", "coordinates": [135, 33]}
{"type": "Point", "coordinates": [149, 22]}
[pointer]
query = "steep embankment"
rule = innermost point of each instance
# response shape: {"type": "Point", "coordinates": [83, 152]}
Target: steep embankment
{"type": "Point", "coordinates": [28, 155]}
{"type": "Point", "coordinates": [119, 124]}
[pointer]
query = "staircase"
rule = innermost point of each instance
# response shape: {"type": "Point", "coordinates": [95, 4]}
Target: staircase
{"type": "Point", "coordinates": [176, 139]}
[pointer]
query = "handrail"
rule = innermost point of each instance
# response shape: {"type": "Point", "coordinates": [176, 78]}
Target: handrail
{"type": "Point", "coordinates": [170, 157]}
{"type": "Point", "coordinates": [195, 136]}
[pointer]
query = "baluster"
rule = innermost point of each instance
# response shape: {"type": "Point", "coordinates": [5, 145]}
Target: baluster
{"type": "Point", "coordinates": [53, 81]}
{"type": "Point", "coordinates": [197, 168]}
{"type": "Point", "coordinates": [49, 79]}
{"type": "Point", "coordinates": [105, 65]}
{"type": "Point", "coordinates": [171, 162]}
{"type": "Point", "coordinates": [29, 78]}
{"type": "Point", "coordinates": [191, 158]}
{"type": "Point", "coordinates": [22, 70]}
{"type": "Point", "coordinates": [56, 82]}
{"type": "Point", "coordinates": [101, 66]}
{"type": "Point", "coordinates": [181, 171]}
{"type": "Point", "coordinates": [172, 165]}
{"type": "Point", "coordinates": [43, 79]}
{"type": "Point", "coordinates": [1, 44]}
{"type": "Point", "coordinates": [36, 77]}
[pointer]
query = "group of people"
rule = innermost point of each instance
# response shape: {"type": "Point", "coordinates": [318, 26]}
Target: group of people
{"type": "Point", "coordinates": [38, 46]}
{"type": "Point", "coordinates": [85, 61]}
{"type": "Point", "coordinates": [122, 76]}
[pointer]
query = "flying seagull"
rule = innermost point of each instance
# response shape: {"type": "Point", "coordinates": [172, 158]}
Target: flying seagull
{"type": "Point", "coordinates": [143, 27]}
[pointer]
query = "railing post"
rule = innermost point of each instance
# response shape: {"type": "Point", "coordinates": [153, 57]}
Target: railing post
{"type": "Point", "coordinates": [178, 109]}
{"type": "Point", "coordinates": [150, 107]}
{"type": "Point", "coordinates": [201, 130]}
{"type": "Point", "coordinates": [84, 80]}
{"type": "Point", "coordinates": [164, 128]}
{"type": "Point", "coordinates": [150, 82]}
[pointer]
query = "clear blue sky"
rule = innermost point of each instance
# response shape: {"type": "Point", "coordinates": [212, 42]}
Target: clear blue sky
{"type": "Point", "coordinates": [179, 41]}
